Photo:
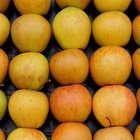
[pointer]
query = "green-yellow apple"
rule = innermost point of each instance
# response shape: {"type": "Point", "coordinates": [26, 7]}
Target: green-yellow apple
{"type": "Point", "coordinates": [69, 66]}
{"type": "Point", "coordinates": [31, 32]}
{"type": "Point", "coordinates": [137, 133]}
{"type": "Point", "coordinates": [29, 70]}
{"type": "Point", "coordinates": [40, 7]}
{"type": "Point", "coordinates": [26, 134]}
{"type": "Point", "coordinates": [112, 28]}
{"type": "Point", "coordinates": [4, 4]}
{"type": "Point", "coordinates": [74, 103]}
{"type": "Point", "coordinates": [3, 104]}
{"type": "Point", "coordinates": [110, 65]}
{"type": "Point", "coordinates": [75, 3]}
{"type": "Point", "coordinates": [72, 28]}
{"type": "Point", "coordinates": [2, 135]}
{"type": "Point", "coordinates": [136, 63]}
{"type": "Point", "coordinates": [113, 133]}
{"type": "Point", "coordinates": [111, 5]}
{"type": "Point", "coordinates": [4, 63]}
{"type": "Point", "coordinates": [4, 28]}
{"type": "Point", "coordinates": [137, 5]}
{"type": "Point", "coordinates": [114, 105]}
{"type": "Point", "coordinates": [71, 131]}
{"type": "Point", "coordinates": [28, 108]}
{"type": "Point", "coordinates": [136, 30]}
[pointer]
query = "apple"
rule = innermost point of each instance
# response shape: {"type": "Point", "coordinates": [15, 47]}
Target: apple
{"type": "Point", "coordinates": [29, 70]}
{"type": "Point", "coordinates": [26, 134]}
{"type": "Point", "coordinates": [31, 32]}
{"type": "Point", "coordinates": [72, 28]}
{"type": "Point", "coordinates": [4, 29]}
{"type": "Point", "coordinates": [40, 7]}
{"type": "Point", "coordinates": [114, 105]}
{"type": "Point", "coordinates": [110, 65]}
{"type": "Point", "coordinates": [136, 63]}
{"type": "Point", "coordinates": [138, 97]}
{"type": "Point", "coordinates": [113, 133]}
{"type": "Point", "coordinates": [4, 4]}
{"type": "Point", "coordinates": [137, 5]}
{"type": "Point", "coordinates": [69, 66]}
{"type": "Point", "coordinates": [2, 135]}
{"type": "Point", "coordinates": [71, 131]}
{"type": "Point", "coordinates": [4, 63]}
{"type": "Point", "coordinates": [74, 3]}
{"type": "Point", "coordinates": [136, 30]}
{"type": "Point", "coordinates": [137, 133]}
{"type": "Point", "coordinates": [28, 108]}
{"type": "Point", "coordinates": [111, 5]}
{"type": "Point", "coordinates": [112, 28]}
{"type": "Point", "coordinates": [73, 102]}
{"type": "Point", "coordinates": [3, 104]}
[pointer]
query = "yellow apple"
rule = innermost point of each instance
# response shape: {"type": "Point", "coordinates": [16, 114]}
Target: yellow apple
{"type": "Point", "coordinates": [111, 5]}
{"type": "Point", "coordinates": [137, 133]}
{"type": "Point", "coordinates": [4, 4]}
{"type": "Point", "coordinates": [136, 30]}
{"type": "Point", "coordinates": [75, 3]}
{"type": "Point", "coordinates": [69, 66]}
{"type": "Point", "coordinates": [71, 131]}
{"type": "Point", "coordinates": [114, 105]}
{"type": "Point", "coordinates": [136, 63]}
{"type": "Point", "coordinates": [31, 32]}
{"type": "Point", "coordinates": [137, 5]}
{"type": "Point", "coordinates": [4, 28]}
{"type": "Point", "coordinates": [73, 102]}
{"type": "Point", "coordinates": [2, 135]}
{"type": "Point", "coordinates": [28, 108]}
{"type": "Point", "coordinates": [113, 133]}
{"type": "Point", "coordinates": [112, 28]}
{"type": "Point", "coordinates": [110, 65]}
{"type": "Point", "coordinates": [138, 97]}
{"type": "Point", "coordinates": [26, 134]}
{"type": "Point", "coordinates": [4, 63]}
{"type": "Point", "coordinates": [72, 28]}
{"type": "Point", "coordinates": [40, 7]}
{"type": "Point", "coordinates": [29, 70]}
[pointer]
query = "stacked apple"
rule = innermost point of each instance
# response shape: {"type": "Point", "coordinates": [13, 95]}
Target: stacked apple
{"type": "Point", "coordinates": [114, 105]}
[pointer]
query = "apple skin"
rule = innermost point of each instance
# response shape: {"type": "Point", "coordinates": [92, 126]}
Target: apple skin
{"type": "Point", "coordinates": [4, 4]}
{"type": "Point", "coordinates": [4, 28]}
{"type": "Point", "coordinates": [136, 30]}
{"type": "Point", "coordinates": [26, 134]}
{"type": "Point", "coordinates": [74, 3]}
{"type": "Point", "coordinates": [74, 103]}
{"type": "Point", "coordinates": [69, 66]}
{"type": "Point", "coordinates": [31, 33]}
{"type": "Point", "coordinates": [109, 5]}
{"type": "Point", "coordinates": [75, 28]}
{"type": "Point", "coordinates": [28, 108]}
{"type": "Point", "coordinates": [137, 133]}
{"type": "Point", "coordinates": [137, 5]}
{"type": "Point", "coordinates": [4, 63]}
{"type": "Point", "coordinates": [40, 7]}
{"type": "Point", "coordinates": [71, 131]}
{"type": "Point", "coordinates": [114, 105]}
{"type": "Point", "coordinates": [138, 97]}
{"type": "Point", "coordinates": [3, 104]}
{"type": "Point", "coordinates": [136, 63]}
{"type": "Point", "coordinates": [112, 28]}
{"type": "Point", "coordinates": [113, 133]}
{"type": "Point", "coordinates": [2, 135]}
{"type": "Point", "coordinates": [29, 70]}
{"type": "Point", "coordinates": [110, 65]}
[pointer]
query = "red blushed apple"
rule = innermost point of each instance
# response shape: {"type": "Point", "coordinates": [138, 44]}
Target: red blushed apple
{"type": "Point", "coordinates": [114, 105]}
{"type": "Point", "coordinates": [26, 134]}
{"type": "Point", "coordinates": [137, 5]}
{"type": "Point", "coordinates": [2, 135]}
